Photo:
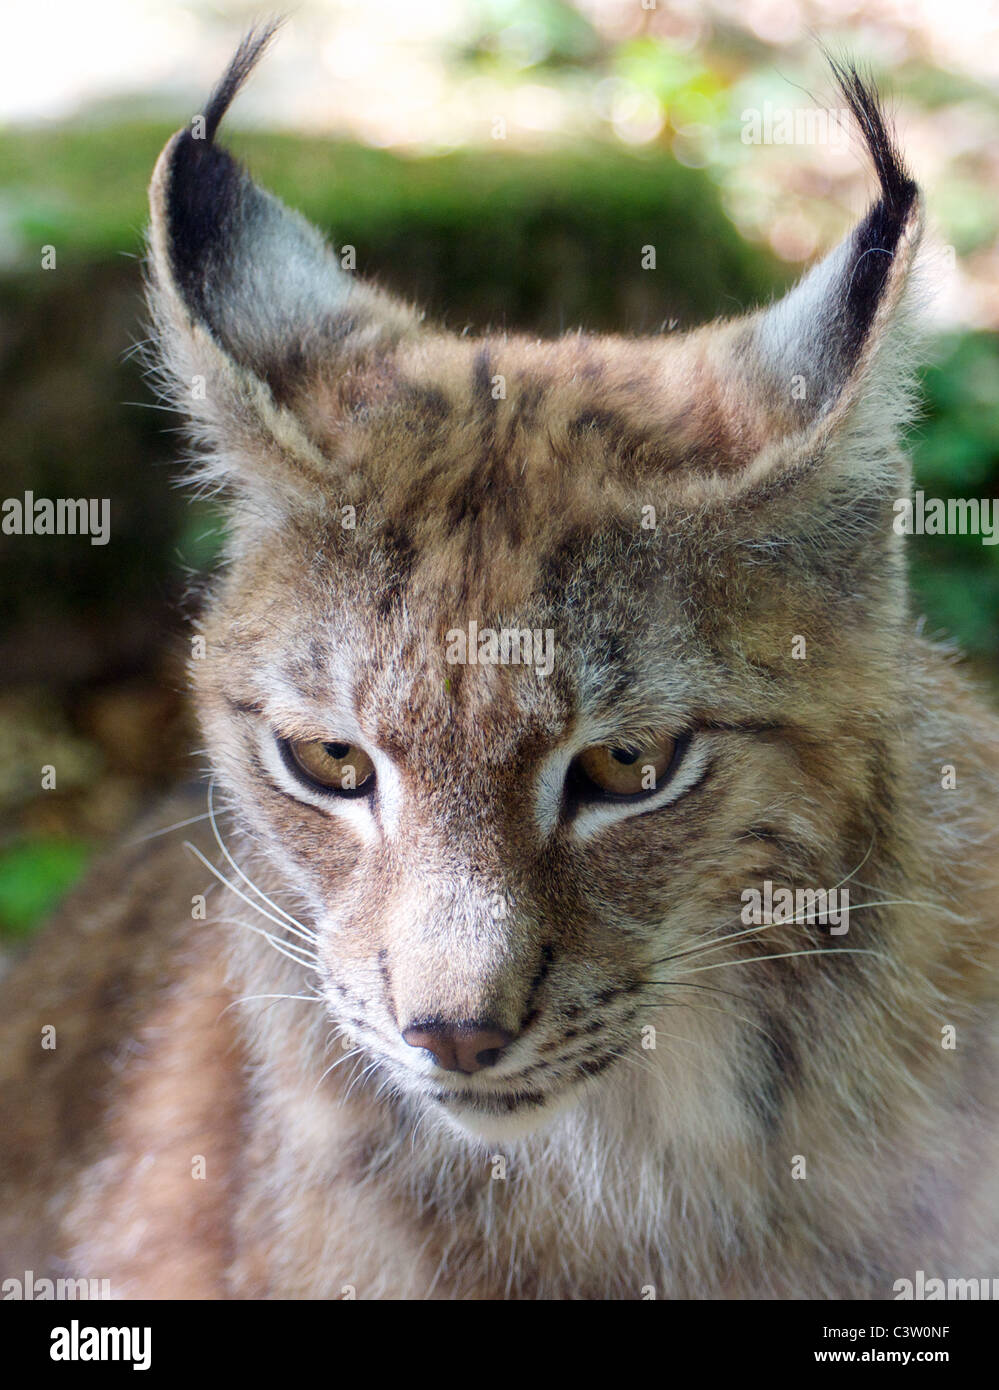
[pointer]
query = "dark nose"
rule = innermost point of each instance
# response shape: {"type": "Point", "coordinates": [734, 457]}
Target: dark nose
{"type": "Point", "coordinates": [459, 1046]}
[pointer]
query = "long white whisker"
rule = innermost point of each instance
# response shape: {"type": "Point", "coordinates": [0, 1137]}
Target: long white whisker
{"type": "Point", "coordinates": [232, 887]}
{"type": "Point", "coordinates": [294, 925]}
{"type": "Point", "coordinates": [180, 825]}
{"type": "Point", "coordinates": [372, 1066]}
{"type": "Point", "coordinates": [707, 1008]}
{"type": "Point", "coordinates": [284, 948]}
{"type": "Point", "coordinates": [857, 870]}
{"type": "Point", "coordinates": [702, 948]}
{"type": "Point", "coordinates": [347, 1056]}
{"type": "Point", "coordinates": [249, 999]}
{"type": "Point", "coordinates": [783, 955]}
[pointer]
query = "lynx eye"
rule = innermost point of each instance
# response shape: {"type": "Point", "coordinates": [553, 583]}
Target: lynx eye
{"type": "Point", "coordinates": [625, 770]}
{"type": "Point", "coordinates": [338, 767]}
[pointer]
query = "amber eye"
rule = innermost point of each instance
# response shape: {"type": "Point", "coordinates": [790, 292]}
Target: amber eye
{"type": "Point", "coordinates": [627, 770]}
{"type": "Point", "coordinates": [340, 767]}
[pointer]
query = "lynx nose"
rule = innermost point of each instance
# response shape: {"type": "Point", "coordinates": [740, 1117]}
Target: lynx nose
{"type": "Point", "coordinates": [460, 1046]}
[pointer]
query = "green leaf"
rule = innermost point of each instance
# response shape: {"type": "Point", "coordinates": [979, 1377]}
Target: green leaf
{"type": "Point", "coordinates": [34, 875]}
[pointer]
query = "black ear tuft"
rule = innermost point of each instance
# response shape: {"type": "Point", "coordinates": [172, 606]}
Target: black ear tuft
{"type": "Point", "coordinates": [877, 236]}
{"type": "Point", "coordinates": [207, 186]}
{"type": "Point", "coordinates": [897, 187]}
{"type": "Point", "coordinates": [244, 60]}
{"type": "Point", "coordinates": [824, 333]}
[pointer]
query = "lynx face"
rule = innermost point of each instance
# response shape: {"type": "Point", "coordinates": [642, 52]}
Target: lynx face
{"type": "Point", "coordinates": [487, 852]}
{"type": "Point", "coordinates": [503, 677]}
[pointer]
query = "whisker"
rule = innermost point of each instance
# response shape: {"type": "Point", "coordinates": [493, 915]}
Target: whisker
{"type": "Point", "coordinates": [298, 928]}
{"type": "Point", "coordinates": [730, 1013]}
{"type": "Point", "coordinates": [232, 887]}
{"type": "Point", "coordinates": [250, 998]}
{"type": "Point", "coordinates": [422, 1115]}
{"type": "Point", "coordinates": [785, 955]}
{"type": "Point", "coordinates": [913, 902]}
{"type": "Point", "coordinates": [179, 825]}
{"type": "Point", "coordinates": [284, 948]}
{"type": "Point", "coordinates": [857, 870]}
{"type": "Point", "coordinates": [347, 1057]}
{"type": "Point", "coordinates": [372, 1066]}
{"type": "Point", "coordinates": [714, 989]}
{"type": "Point", "coordinates": [713, 943]}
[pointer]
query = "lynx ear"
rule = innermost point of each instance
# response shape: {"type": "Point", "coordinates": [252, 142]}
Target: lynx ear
{"type": "Point", "coordinates": [248, 300]}
{"type": "Point", "coordinates": [830, 359]}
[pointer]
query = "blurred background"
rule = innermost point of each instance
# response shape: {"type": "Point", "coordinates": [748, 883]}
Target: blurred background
{"type": "Point", "coordinates": [502, 162]}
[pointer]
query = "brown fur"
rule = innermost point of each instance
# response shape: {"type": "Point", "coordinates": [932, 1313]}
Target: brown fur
{"type": "Point", "coordinates": [388, 484]}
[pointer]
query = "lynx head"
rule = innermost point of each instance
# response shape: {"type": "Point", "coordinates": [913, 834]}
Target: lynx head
{"type": "Point", "coordinates": [528, 658]}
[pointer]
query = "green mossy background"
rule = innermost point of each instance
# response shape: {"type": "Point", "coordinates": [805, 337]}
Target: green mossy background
{"type": "Point", "coordinates": [92, 642]}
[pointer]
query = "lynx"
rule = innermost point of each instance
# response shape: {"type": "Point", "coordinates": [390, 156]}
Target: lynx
{"type": "Point", "coordinates": [448, 992]}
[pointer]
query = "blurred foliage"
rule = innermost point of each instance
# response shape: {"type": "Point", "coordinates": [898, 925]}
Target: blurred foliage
{"type": "Point", "coordinates": [530, 33]}
{"type": "Point", "coordinates": [491, 236]}
{"type": "Point", "coordinates": [33, 877]}
{"type": "Point", "coordinates": [955, 450]}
